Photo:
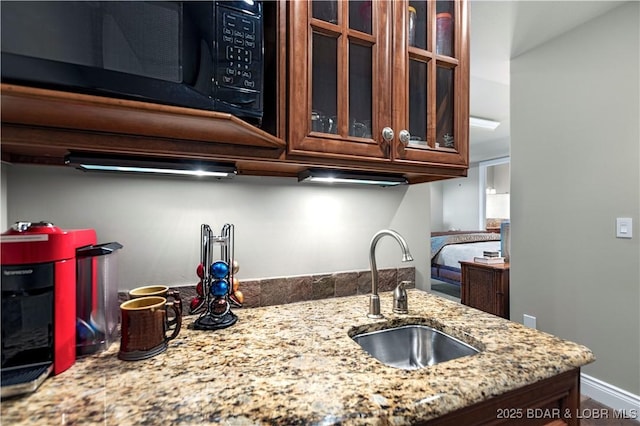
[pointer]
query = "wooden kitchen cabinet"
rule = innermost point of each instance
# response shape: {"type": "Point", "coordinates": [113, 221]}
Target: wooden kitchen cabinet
{"type": "Point", "coordinates": [356, 68]}
{"type": "Point", "coordinates": [336, 74]}
{"type": "Point", "coordinates": [558, 397]}
{"type": "Point", "coordinates": [486, 287]}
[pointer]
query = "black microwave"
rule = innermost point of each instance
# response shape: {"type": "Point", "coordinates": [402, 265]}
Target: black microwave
{"type": "Point", "coordinates": [197, 54]}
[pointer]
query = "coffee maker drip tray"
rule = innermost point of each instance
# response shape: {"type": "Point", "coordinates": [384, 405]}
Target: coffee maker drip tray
{"type": "Point", "coordinates": [24, 379]}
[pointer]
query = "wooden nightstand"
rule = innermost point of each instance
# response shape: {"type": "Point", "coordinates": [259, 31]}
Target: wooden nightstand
{"type": "Point", "coordinates": [486, 287]}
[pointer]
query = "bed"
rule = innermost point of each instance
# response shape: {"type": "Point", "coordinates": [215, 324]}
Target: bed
{"type": "Point", "coordinates": [449, 248]}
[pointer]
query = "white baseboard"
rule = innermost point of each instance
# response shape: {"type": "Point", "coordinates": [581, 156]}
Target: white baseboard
{"type": "Point", "coordinates": [609, 395]}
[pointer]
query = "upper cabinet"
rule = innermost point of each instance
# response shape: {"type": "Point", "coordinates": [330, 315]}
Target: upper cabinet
{"type": "Point", "coordinates": [374, 86]}
{"type": "Point", "coordinates": [380, 81]}
{"type": "Point", "coordinates": [431, 81]}
{"type": "Point", "coordinates": [339, 78]}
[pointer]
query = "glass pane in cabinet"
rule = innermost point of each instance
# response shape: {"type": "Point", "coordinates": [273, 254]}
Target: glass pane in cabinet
{"type": "Point", "coordinates": [444, 27]}
{"type": "Point", "coordinates": [360, 90]}
{"type": "Point", "coordinates": [417, 24]}
{"type": "Point", "coordinates": [418, 102]}
{"type": "Point", "coordinates": [327, 10]}
{"type": "Point", "coordinates": [360, 16]}
{"type": "Point", "coordinates": [444, 108]}
{"type": "Point", "coordinates": [324, 100]}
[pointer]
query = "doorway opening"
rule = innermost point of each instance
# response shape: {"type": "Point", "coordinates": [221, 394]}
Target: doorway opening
{"type": "Point", "coordinates": [494, 193]}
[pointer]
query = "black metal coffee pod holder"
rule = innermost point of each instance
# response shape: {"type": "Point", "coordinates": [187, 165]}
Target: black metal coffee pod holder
{"type": "Point", "coordinates": [216, 280]}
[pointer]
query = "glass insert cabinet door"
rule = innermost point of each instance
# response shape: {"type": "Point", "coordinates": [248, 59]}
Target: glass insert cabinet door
{"type": "Point", "coordinates": [339, 77]}
{"type": "Point", "coordinates": [431, 81]}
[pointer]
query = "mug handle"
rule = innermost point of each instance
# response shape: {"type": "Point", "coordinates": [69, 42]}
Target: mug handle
{"type": "Point", "coordinates": [173, 293]}
{"type": "Point", "coordinates": [176, 299]}
{"type": "Point", "coordinates": [177, 321]}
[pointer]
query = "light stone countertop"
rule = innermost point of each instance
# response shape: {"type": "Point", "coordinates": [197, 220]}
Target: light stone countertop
{"type": "Point", "coordinates": [296, 364]}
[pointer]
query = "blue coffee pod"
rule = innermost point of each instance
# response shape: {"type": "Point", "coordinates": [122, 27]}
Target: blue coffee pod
{"type": "Point", "coordinates": [219, 288]}
{"type": "Point", "coordinates": [219, 269]}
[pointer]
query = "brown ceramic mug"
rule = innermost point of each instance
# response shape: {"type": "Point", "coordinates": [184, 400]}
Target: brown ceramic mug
{"type": "Point", "coordinates": [145, 323]}
{"type": "Point", "coordinates": [157, 290]}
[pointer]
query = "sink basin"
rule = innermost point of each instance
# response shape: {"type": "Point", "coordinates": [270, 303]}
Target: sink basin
{"type": "Point", "coordinates": [411, 347]}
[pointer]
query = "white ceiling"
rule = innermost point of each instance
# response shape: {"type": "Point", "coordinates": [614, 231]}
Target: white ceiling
{"type": "Point", "coordinates": [500, 31]}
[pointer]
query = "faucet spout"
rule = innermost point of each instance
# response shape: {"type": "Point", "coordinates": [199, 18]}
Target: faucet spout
{"type": "Point", "coordinates": [374, 305]}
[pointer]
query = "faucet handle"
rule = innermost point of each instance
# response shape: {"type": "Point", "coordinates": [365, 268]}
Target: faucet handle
{"type": "Point", "coordinates": [400, 302]}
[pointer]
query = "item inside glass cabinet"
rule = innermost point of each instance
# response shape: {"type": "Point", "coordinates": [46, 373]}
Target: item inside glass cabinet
{"type": "Point", "coordinates": [444, 34]}
{"type": "Point", "coordinates": [327, 10]}
{"type": "Point", "coordinates": [412, 26]}
{"type": "Point", "coordinates": [323, 124]}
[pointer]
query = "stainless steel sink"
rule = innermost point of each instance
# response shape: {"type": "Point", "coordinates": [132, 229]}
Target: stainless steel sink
{"type": "Point", "coordinates": [411, 347]}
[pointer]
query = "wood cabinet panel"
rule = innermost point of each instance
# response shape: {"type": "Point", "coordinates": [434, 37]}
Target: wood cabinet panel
{"type": "Point", "coordinates": [560, 395]}
{"type": "Point", "coordinates": [486, 287]}
{"type": "Point", "coordinates": [55, 109]}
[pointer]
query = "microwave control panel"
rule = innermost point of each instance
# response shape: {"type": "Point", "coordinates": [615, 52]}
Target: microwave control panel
{"type": "Point", "coordinates": [239, 57]}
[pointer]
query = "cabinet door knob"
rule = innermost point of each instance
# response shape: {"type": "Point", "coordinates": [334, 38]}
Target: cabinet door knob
{"type": "Point", "coordinates": [404, 136]}
{"type": "Point", "coordinates": [387, 134]}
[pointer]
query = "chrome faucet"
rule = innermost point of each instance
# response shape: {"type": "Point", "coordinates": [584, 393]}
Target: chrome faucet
{"type": "Point", "coordinates": [374, 301]}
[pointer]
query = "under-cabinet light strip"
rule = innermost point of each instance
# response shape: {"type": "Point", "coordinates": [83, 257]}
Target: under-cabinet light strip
{"type": "Point", "coordinates": [128, 169]}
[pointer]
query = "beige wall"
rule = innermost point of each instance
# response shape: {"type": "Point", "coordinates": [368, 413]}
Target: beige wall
{"type": "Point", "coordinates": [282, 227]}
{"type": "Point", "coordinates": [460, 202]}
{"type": "Point", "coordinates": [575, 161]}
{"type": "Point", "coordinates": [436, 206]}
{"type": "Point", "coordinates": [498, 178]}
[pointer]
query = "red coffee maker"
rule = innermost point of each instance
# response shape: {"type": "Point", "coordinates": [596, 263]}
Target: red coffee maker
{"type": "Point", "coordinates": [39, 263]}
